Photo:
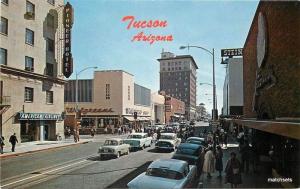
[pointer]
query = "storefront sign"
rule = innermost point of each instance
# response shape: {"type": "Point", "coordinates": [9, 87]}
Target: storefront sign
{"type": "Point", "coordinates": [90, 110]}
{"type": "Point", "coordinates": [39, 116]}
{"type": "Point", "coordinates": [231, 52]}
{"type": "Point", "coordinates": [67, 56]}
{"type": "Point", "coordinates": [139, 112]}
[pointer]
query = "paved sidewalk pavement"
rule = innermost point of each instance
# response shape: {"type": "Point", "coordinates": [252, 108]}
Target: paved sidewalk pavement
{"type": "Point", "coordinates": [249, 180]}
{"type": "Point", "coordinates": [35, 146]}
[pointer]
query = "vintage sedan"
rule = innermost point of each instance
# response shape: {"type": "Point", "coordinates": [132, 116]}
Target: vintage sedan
{"type": "Point", "coordinates": [190, 153]}
{"type": "Point", "coordinates": [167, 141]}
{"type": "Point", "coordinates": [138, 140]}
{"type": "Point", "coordinates": [196, 140]}
{"type": "Point", "coordinates": [165, 173]}
{"type": "Point", "coordinates": [113, 147]}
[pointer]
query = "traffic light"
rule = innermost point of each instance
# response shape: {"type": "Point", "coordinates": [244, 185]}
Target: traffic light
{"type": "Point", "coordinates": [135, 115]}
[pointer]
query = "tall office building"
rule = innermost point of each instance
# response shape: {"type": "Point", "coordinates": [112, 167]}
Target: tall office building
{"type": "Point", "coordinates": [178, 79]}
{"type": "Point", "coordinates": [32, 84]}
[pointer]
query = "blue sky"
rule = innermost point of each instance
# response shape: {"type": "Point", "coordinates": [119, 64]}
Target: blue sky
{"type": "Point", "coordinates": [100, 38]}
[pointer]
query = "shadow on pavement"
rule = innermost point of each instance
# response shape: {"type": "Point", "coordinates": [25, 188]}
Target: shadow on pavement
{"type": "Point", "coordinates": [122, 183]}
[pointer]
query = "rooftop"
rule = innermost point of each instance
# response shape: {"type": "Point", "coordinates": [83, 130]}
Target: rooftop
{"type": "Point", "coordinates": [180, 57]}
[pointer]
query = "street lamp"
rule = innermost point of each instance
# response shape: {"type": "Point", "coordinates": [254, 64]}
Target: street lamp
{"type": "Point", "coordinates": [215, 110]}
{"type": "Point", "coordinates": [76, 86]}
{"type": "Point", "coordinates": [205, 84]}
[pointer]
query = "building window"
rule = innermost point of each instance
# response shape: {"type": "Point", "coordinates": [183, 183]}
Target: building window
{"type": "Point", "coordinates": [28, 94]}
{"type": "Point", "coordinates": [107, 91]}
{"type": "Point", "coordinates": [49, 97]}
{"type": "Point", "coordinates": [163, 69]}
{"type": "Point", "coordinates": [3, 56]}
{"type": "Point", "coordinates": [52, 2]}
{"type": "Point", "coordinates": [49, 69]}
{"type": "Point", "coordinates": [50, 20]}
{"type": "Point", "coordinates": [4, 2]}
{"type": "Point", "coordinates": [4, 25]}
{"type": "Point", "coordinates": [50, 45]}
{"type": "Point", "coordinates": [128, 92]}
{"type": "Point", "coordinates": [29, 64]}
{"type": "Point", "coordinates": [29, 7]}
{"type": "Point", "coordinates": [29, 37]}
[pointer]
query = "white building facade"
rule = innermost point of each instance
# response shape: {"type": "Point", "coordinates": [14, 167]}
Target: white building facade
{"type": "Point", "coordinates": [233, 98]}
{"type": "Point", "coordinates": [32, 84]}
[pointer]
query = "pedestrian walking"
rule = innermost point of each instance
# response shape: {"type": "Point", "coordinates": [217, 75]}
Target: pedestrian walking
{"type": "Point", "coordinates": [219, 161]}
{"type": "Point", "coordinates": [209, 162]}
{"type": "Point", "coordinates": [202, 155]}
{"type": "Point", "coordinates": [13, 140]}
{"type": "Point", "coordinates": [245, 153]}
{"type": "Point", "coordinates": [1, 144]}
{"type": "Point", "coordinates": [233, 173]}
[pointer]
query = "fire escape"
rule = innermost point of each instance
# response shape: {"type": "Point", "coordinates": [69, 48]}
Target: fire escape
{"type": "Point", "coordinates": [4, 104]}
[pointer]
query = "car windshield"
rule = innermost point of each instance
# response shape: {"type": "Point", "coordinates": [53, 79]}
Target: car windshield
{"type": "Point", "coordinates": [111, 143]}
{"type": "Point", "coordinates": [165, 173]}
{"type": "Point", "coordinates": [135, 136]}
{"type": "Point", "coordinates": [187, 151]}
{"type": "Point", "coordinates": [168, 137]}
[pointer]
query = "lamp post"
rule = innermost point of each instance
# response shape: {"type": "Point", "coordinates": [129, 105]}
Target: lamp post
{"type": "Point", "coordinates": [214, 110]}
{"type": "Point", "coordinates": [76, 87]}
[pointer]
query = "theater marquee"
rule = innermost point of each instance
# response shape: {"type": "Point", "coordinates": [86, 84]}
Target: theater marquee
{"type": "Point", "coordinates": [67, 56]}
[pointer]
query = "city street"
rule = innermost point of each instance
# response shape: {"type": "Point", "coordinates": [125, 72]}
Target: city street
{"type": "Point", "coordinates": [71, 167]}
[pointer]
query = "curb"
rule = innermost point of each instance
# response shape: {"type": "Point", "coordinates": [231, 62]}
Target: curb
{"type": "Point", "coordinates": [3, 156]}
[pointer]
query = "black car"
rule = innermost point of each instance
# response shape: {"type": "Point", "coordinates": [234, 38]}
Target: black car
{"type": "Point", "coordinates": [190, 153]}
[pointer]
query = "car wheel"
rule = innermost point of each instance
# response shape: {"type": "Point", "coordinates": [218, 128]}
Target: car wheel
{"type": "Point", "coordinates": [118, 154]}
{"type": "Point", "coordinates": [143, 147]}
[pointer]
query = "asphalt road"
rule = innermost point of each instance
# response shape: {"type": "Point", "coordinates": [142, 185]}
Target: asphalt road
{"type": "Point", "coordinates": [77, 167]}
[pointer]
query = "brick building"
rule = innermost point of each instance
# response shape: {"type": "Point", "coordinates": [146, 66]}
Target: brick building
{"type": "Point", "coordinates": [271, 77]}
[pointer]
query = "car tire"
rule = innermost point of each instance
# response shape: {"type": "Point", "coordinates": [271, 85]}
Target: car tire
{"type": "Point", "coordinates": [118, 154]}
{"type": "Point", "coordinates": [143, 147]}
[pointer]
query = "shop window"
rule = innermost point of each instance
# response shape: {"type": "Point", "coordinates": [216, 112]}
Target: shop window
{"type": "Point", "coordinates": [107, 91]}
{"type": "Point", "coordinates": [49, 97]}
{"type": "Point", "coordinates": [29, 64]}
{"type": "Point", "coordinates": [4, 26]}
{"type": "Point", "coordinates": [29, 37]}
{"type": "Point", "coordinates": [3, 56]}
{"type": "Point", "coordinates": [28, 94]}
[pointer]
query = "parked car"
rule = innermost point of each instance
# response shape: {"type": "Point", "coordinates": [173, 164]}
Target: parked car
{"type": "Point", "coordinates": [190, 153]}
{"type": "Point", "coordinates": [165, 173]}
{"type": "Point", "coordinates": [138, 140]}
{"type": "Point", "coordinates": [167, 141]}
{"type": "Point", "coordinates": [113, 147]}
{"type": "Point", "coordinates": [196, 140]}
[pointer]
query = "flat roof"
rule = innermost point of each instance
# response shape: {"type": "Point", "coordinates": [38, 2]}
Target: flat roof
{"type": "Point", "coordinates": [114, 71]}
{"type": "Point", "coordinates": [181, 57]}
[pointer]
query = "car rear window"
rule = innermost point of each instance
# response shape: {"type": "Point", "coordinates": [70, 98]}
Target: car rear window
{"type": "Point", "coordinates": [187, 151]}
{"type": "Point", "coordinates": [164, 173]}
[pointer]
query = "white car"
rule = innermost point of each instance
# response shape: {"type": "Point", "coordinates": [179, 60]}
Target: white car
{"type": "Point", "coordinates": [166, 174]}
{"type": "Point", "coordinates": [138, 140]}
{"type": "Point", "coordinates": [167, 141]}
{"type": "Point", "coordinates": [113, 147]}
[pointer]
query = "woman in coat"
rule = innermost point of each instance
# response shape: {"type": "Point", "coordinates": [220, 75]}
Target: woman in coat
{"type": "Point", "coordinates": [233, 171]}
{"type": "Point", "coordinates": [209, 162]}
{"type": "Point", "coordinates": [219, 163]}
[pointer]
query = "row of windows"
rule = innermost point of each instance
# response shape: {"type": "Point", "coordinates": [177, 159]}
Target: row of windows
{"type": "Point", "coordinates": [174, 63]}
{"type": "Point", "coordinates": [175, 68]}
{"type": "Point", "coordinates": [29, 5]}
{"type": "Point", "coordinates": [29, 94]}
{"type": "Point", "coordinates": [28, 62]}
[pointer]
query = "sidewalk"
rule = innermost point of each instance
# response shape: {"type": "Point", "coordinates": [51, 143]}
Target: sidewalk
{"type": "Point", "coordinates": [36, 146]}
{"type": "Point", "coordinates": [249, 180]}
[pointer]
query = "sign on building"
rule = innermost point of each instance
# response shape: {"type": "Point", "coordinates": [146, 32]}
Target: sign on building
{"type": "Point", "coordinates": [231, 52]}
{"type": "Point", "coordinates": [67, 56]}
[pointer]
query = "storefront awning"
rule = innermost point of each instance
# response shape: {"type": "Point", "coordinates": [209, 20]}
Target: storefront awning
{"type": "Point", "coordinates": [129, 118]}
{"type": "Point", "coordinates": [287, 129]}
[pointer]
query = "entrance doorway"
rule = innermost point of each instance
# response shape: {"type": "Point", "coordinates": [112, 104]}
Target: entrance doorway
{"type": "Point", "coordinates": [46, 132]}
